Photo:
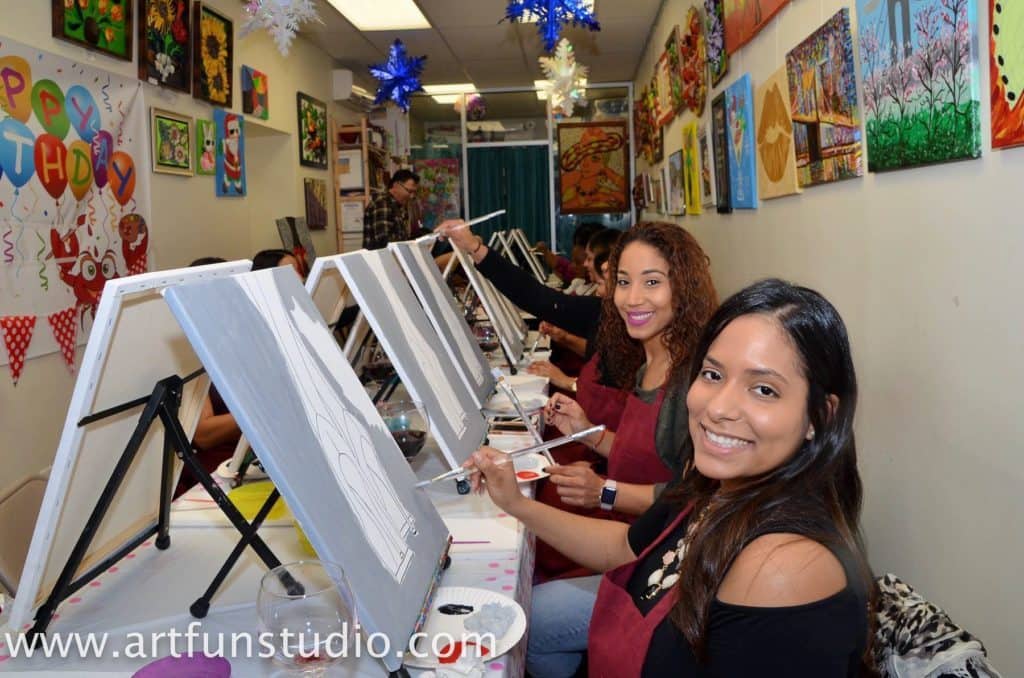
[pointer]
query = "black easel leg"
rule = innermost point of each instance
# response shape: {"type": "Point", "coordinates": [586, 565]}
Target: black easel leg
{"type": "Point", "coordinates": [400, 673]}
{"type": "Point", "coordinates": [163, 528]}
{"type": "Point", "coordinates": [385, 390]}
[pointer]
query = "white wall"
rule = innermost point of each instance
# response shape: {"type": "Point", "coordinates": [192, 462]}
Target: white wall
{"type": "Point", "coordinates": [924, 266]}
{"type": "Point", "coordinates": [188, 221]}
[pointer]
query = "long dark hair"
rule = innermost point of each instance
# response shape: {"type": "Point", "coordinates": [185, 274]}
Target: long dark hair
{"type": "Point", "coordinates": [815, 493]}
{"type": "Point", "coordinates": [693, 301]}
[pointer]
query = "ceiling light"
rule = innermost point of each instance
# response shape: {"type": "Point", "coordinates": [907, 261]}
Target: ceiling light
{"type": "Point", "coordinates": [542, 87]}
{"type": "Point", "coordinates": [374, 15]}
{"type": "Point", "coordinates": [449, 94]}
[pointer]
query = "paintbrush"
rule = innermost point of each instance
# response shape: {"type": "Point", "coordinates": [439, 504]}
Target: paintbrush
{"type": "Point", "coordinates": [471, 222]}
{"type": "Point", "coordinates": [542, 447]}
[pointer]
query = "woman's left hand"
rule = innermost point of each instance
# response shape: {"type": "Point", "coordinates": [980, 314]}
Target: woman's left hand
{"type": "Point", "coordinates": [577, 484]}
{"type": "Point", "coordinates": [458, 233]}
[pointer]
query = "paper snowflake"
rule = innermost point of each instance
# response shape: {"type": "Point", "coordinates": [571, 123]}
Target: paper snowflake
{"type": "Point", "coordinates": [399, 77]}
{"type": "Point", "coordinates": [281, 18]}
{"type": "Point", "coordinates": [566, 79]}
{"type": "Point", "coordinates": [552, 16]}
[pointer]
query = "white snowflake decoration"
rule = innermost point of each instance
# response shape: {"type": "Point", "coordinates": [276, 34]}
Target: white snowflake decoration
{"type": "Point", "coordinates": [281, 18]}
{"type": "Point", "coordinates": [566, 79]}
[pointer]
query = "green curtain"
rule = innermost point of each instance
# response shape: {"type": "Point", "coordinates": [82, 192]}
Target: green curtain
{"type": "Point", "coordinates": [513, 178]}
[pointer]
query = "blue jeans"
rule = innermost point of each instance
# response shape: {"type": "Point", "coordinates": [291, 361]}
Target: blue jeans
{"type": "Point", "coordinates": [559, 623]}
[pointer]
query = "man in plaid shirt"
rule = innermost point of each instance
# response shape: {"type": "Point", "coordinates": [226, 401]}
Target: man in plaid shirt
{"type": "Point", "coordinates": [386, 219]}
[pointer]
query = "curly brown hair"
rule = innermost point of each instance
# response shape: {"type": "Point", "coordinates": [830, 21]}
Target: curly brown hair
{"type": "Point", "coordinates": [693, 301]}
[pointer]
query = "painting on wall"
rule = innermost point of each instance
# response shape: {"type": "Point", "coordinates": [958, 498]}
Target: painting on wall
{"type": "Point", "coordinates": [691, 168]}
{"type": "Point", "coordinates": [1006, 73]}
{"type": "Point", "coordinates": [213, 38]}
{"type": "Point", "coordinates": [312, 131]}
{"type": "Point", "coordinates": [714, 38]}
{"type": "Point", "coordinates": [255, 93]}
{"type": "Point", "coordinates": [206, 148]}
{"type": "Point", "coordinates": [657, 193]}
{"type": "Point", "coordinates": [720, 150]}
{"type": "Point", "coordinates": [920, 74]}
{"type": "Point", "coordinates": [823, 104]}
{"type": "Point", "coordinates": [739, 102]}
{"type": "Point", "coordinates": [707, 171]}
{"type": "Point", "coordinates": [315, 192]}
{"type": "Point", "coordinates": [440, 191]}
{"type": "Point", "coordinates": [665, 108]}
{"type": "Point", "coordinates": [642, 131]}
{"type": "Point", "coordinates": [593, 167]}
{"type": "Point", "coordinates": [694, 63]}
{"type": "Point", "coordinates": [776, 159]}
{"type": "Point", "coordinates": [104, 27]}
{"type": "Point", "coordinates": [172, 142]}
{"type": "Point", "coordinates": [230, 153]}
{"type": "Point", "coordinates": [676, 190]}
{"type": "Point", "coordinates": [165, 44]}
{"type": "Point", "coordinates": [745, 18]}
{"type": "Point", "coordinates": [673, 50]}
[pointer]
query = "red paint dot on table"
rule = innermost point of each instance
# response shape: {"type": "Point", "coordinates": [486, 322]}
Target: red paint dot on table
{"type": "Point", "coordinates": [147, 543]}
{"type": "Point", "coordinates": [510, 571]}
{"type": "Point", "coordinates": [94, 583]}
{"type": "Point", "coordinates": [492, 565]}
{"type": "Point", "coordinates": [4, 657]}
{"type": "Point", "coordinates": [113, 569]}
{"type": "Point", "coordinates": [491, 579]}
{"type": "Point", "coordinates": [130, 555]}
{"type": "Point", "coordinates": [75, 601]}
{"type": "Point", "coordinates": [500, 515]}
{"type": "Point", "coordinates": [506, 587]}
{"type": "Point", "coordinates": [527, 475]}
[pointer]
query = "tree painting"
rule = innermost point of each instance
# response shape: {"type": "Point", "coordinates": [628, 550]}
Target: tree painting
{"type": "Point", "coordinates": [920, 75]}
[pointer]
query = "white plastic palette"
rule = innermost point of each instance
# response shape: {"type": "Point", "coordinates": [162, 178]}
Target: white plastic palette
{"type": "Point", "coordinates": [500, 405]}
{"type": "Point", "coordinates": [453, 627]}
{"type": "Point", "coordinates": [530, 467]}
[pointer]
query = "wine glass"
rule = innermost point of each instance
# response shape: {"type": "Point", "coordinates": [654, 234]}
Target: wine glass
{"type": "Point", "coordinates": [407, 421]}
{"type": "Point", "coordinates": [307, 612]}
{"type": "Point", "coordinates": [486, 336]}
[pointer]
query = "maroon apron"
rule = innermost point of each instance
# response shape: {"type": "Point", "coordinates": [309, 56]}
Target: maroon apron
{"type": "Point", "coordinates": [602, 404]}
{"type": "Point", "coordinates": [633, 459]}
{"type": "Point", "coordinates": [619, 633]}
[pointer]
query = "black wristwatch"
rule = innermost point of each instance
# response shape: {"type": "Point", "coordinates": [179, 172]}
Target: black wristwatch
{"type": "Point", "coordinates": [608, 493]}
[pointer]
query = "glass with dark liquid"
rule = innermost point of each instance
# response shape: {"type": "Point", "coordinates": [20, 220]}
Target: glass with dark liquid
{"type": "Point", "coordinates": [407, 422]}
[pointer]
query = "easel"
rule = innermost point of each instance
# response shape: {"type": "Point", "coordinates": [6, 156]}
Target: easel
{"type": "Point", "coordinates": [163, 405]}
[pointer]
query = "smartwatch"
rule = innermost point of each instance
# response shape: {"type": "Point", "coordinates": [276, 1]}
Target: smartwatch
{"type": "Point", "coordinates": [608, 493]}
{"type": "Point", "coordinates": [572, 386]}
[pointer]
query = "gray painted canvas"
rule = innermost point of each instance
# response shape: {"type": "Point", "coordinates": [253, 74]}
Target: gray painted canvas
{"type": "Point", "coordinates": [508, 332]}
{"type": "Point", "coordinates": [322, 442]}
{"type": "Point", "coordinates": [439, 304]}
{"type": "Point", "coordinates": [416, 351]}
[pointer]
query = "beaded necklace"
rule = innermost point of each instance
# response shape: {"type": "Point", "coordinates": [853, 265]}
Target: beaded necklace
{"type": "Point", "coordinates": [671, 561]}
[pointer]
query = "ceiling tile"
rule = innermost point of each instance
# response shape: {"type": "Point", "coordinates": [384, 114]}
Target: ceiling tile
{"type": "Point", "coordinates": [483, 42]}
{"type": "Point", "coordinates": [448, 13]}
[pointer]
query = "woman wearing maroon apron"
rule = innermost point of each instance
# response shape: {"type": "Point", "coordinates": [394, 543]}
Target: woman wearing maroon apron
{"type": "Point", "coordinates": [753, 563]}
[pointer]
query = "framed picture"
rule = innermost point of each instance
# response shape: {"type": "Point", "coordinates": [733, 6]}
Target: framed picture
{"type": "Point", "coordinates": [255, 94]}
{"type": "Point", "coordinates": [316, 203]}
{"type": "Point", "coordinates": [230, 149]}
{"type": "Point", "coordinates": [172, 142]}
{"type": "Point", "coordinates": [104, 27]}
{"type": "Point", "coordinates": [349, 169]}
{"type": "Point", "coordinates": [593, 167]}
{"type": "Point", "coordinates": [206, 147]}
{"type": "Point", "coordinates": [312, 131]}
{"type": "Point", "coordinates": [213, 38]}
{"type": "Point", "coordinates": [165, 44]}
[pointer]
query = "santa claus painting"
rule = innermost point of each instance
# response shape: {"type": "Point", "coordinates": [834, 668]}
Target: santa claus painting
{"type": "Point", "coordinates": [230, 153]}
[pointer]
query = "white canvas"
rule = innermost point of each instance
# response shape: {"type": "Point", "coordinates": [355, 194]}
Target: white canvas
{"type": "Point", "coordinates": [519, 239]}
{"type": "Point", "coordinates": [508, 333]}
{"type": "Point", "coordinates": [135, 342]}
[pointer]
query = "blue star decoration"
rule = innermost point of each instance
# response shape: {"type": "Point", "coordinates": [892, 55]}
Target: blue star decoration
{"type": "Point", "coordinates": [399, 77]}
{"type": "Point", "coordinates": [552, 16]}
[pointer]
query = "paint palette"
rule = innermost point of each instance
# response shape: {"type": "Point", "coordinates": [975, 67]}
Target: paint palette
{"type": "Point", "coordinates": [530, 467]}
{"type": "Point", "coordinates": [442, 641]}
{"type": "Point", "coordinates": [500, 406]}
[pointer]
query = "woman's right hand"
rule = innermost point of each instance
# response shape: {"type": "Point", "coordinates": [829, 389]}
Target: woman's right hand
{"type": "Point", "coordinates": [565, 414]}
{"type": "Point", "coordinates": [459, 234]}
{"type": "Point", "coordinates": [544, 368]}
{"type": "Point", "coordinates": [497, 476]}
{"type": "Point", "coordinates": [556, 333]}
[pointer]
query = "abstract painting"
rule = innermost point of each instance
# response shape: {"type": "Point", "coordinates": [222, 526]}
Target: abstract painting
{"type": "Point", "coordinates": [691, 168]}
{"type": "Point", "coordinates": [714, 32]}
{"type": "Point", "coordinates": [440, 192]}
{"type": "Point", "coordinates": [172, 142]}
{"type": "Point", "coordinates": [1006, 73]}
{"type": "Point", "coordinates": [593, 167]}
{"type": "Point", "coordinates": [315, 191]}
{"type": "Point", "coordinates": [165, 44]}
{"type": "Point", "coordinates": [919, 70]}
{"type": "Point", "coordinates": [694, 63]}
{"type": "Point", "coordinates": [676, 189]}
{"type": "Point", "coordinates": [776, 160]}
{"type": "Point", "coordinates": [739, 101]}
{"type": "Point", "coordinates": [255, 93]}
{"type": "Point", "coordinates": [664, 76]}
{"type": "Point", "coordinates": [744, 18]}
{"type": "Point", "coordinates": [707, 169]}
{"type": "Point", "coordinates": [312, 131]}
{"type": "Point", "coordinates": [206, 147]}
{"type": "Point", "coordinates": [823, 104]}
{"type": "Point", "coordinates": [230, 162]}
{"type": "Point", "coordinates": [213, 48]}
{"type": "Point", "coordinates": [720, 149]}
{"type": "Point", "coordinates": [104, 27]}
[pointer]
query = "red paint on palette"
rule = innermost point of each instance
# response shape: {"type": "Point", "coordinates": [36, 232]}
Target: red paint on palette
{"type": "Point", "coordinates": [527, 475]}
{"type": "Point", "coordinates": [451, 652]}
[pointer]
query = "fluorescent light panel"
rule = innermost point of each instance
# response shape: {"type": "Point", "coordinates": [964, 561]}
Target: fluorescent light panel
{"type": "Point", "coordinates": [378, 15]}
{"type": "Point", "coordinates": [450, 93]}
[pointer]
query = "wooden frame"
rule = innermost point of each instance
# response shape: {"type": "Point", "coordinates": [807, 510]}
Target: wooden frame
{"type": "Point", "coordinates": [173, 39]}
{"type": "Point", "coordinates": [173, 154]}
{"type": "Point", "coordinates": [312, 121]}
{"type": "Point", "coordinates": [213, 78]}
{"type": "Point", "coordinates": [100, 30]}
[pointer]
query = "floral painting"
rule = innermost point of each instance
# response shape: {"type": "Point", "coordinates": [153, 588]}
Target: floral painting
{"type": "Point", "coordinates": [165, 45]}
{"type": "Point", "coordinates": [440, 192]}
{"type": "Point", "coordinates": [714, 32]}
{"type": "Point", "coordinates": [694, 66]}
{"type": "Point", "coordinates": [213, 46]}
{"type": "Point", "coordinates": [206, 147]}
{"type": "Point", "coordinates": [823, 104]}
{"type": "Point", "coordinates": [312, 131]}
{"type": "Point", "coordinates": [172, 142]}
{"type": "Point", "coordinates": [922, 97]}
{"type": "Point", "coordinates": [675, 70]}
{"type": "Point", "coordinates": [101, 25]}
{"type": "Point", "coordinates": [1006, 73]}
{"type": "Point", "coordinates": [745, 18]}
{"type": "Point", "coordinates": [664, 75]}
{"type": "Point", "coordinates": [230, 153]}
{"type": "Point", "coordinates": [255, 94]}
{"type": "Point", "coordinates": [593, 167]}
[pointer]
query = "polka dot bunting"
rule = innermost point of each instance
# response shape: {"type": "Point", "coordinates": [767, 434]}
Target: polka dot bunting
{"type": "Point", "coordinates": [17, 336]}
{"type": "Point", "coordinates": [65, 331]}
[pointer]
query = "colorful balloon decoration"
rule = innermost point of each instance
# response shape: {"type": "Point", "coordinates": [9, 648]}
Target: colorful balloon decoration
{"type": "Point", "coordinates": [51, 164]}
{"type": "Point", "coordinates": [15, 94]}
{"type": "Point", "coordinates": [83, 111]}
{"type": "Point", "coordinates": [79, 168]}
{"type": "Point", "coordinates": [100, 149]}
{"type": "Point", "coordinates": [16, 157]}
{"type": "Point", "coordinates": [48, 105]}
{"type": "Point", "coordinates": [122, 176]}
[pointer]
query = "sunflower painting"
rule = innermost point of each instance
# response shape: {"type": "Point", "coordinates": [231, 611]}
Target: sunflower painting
{"type": "Point", "coordinates": [101, 25]}
{"type": "Point", "coordinates": [165, 45]}
{"type": "Point", "coordinates": [213, 37]}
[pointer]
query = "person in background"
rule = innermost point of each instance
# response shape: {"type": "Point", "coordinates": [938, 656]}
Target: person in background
{"type": "Point", "coordinates": [569, 269]}
{"type": "Point", "coordinates": [754, 564]}
{"type": "Point", "coordinates": [277, 257]}
{"type": "Point", "coordinates": [386, 218]}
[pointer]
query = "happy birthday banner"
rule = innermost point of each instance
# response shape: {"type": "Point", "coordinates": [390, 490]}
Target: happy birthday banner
{"type": "Point", "coordinates": [74, 197]}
